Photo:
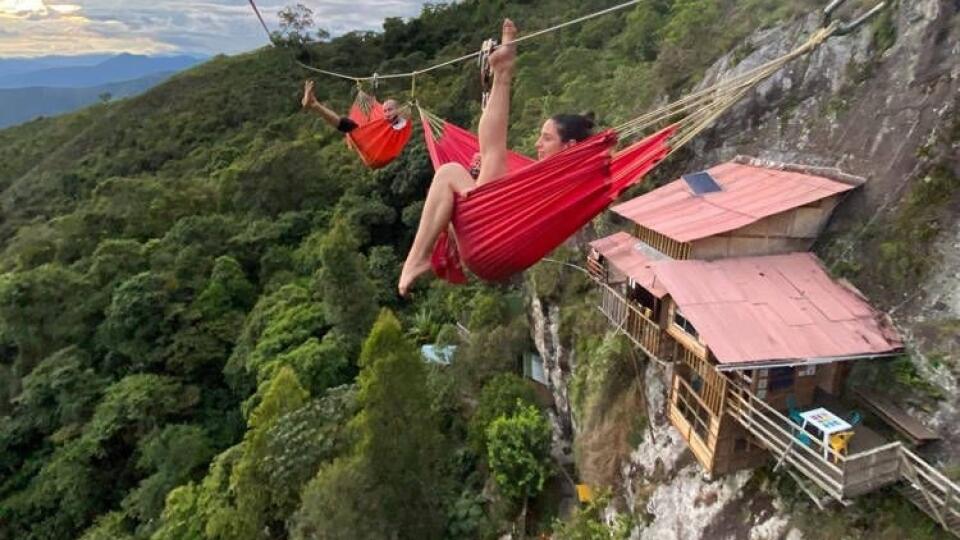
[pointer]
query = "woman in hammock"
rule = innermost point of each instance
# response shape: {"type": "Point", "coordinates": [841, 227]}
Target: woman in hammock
{"type": "Point", "coordinates": [344, 124]}
{"type": "Point", "coordinates": [451, 179]}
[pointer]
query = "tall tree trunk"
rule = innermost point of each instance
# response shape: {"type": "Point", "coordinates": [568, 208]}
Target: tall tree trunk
{"type": "Point", "coordinates": [523, 518]}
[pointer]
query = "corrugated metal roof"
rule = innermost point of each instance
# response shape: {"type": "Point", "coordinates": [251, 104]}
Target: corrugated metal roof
{"type": "Point", "coordinates": [775, 308]}
{"type": "Point", "coordinates": [632, 258]}
{"type": "Point", "coordinates": [750, 193]}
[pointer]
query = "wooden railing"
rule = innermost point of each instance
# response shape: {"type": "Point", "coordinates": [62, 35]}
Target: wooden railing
{"type": "Point", "coordinates": [782, 437]}
{"type": "Point", "coordinates": [866, 471]}
{"type": "Point", "coordinates": [663, 244]}
{"type": "Point", "coordinates": [642, 330]}
{"type": "Point", "coordinates": [931, 490]}
{"type": "Point", "coordinates": [691, 417]}
{"type": "Point", "coordinates": [597, 270]}
{"type": "Point", "coordinates": [714, 384]}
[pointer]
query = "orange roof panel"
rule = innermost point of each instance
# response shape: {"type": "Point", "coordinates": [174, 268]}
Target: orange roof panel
{"type": "Point", "coordinates": [756, 310]}
{"type": "Point", "coordinates": [627, 254]}
{"type": "Point", "coordinates": [749, 194]}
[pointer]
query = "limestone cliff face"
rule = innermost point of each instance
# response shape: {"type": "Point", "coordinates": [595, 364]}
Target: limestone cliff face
{"type": "Point", "coordinates": [886, 116]}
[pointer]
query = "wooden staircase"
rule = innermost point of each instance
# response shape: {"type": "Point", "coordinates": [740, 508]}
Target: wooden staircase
{"type": "Point", "coordinates": [930, 491]}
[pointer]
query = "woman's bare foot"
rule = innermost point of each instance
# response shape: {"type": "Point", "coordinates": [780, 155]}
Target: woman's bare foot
{"type": "Point", "coordinates": [503, 59]}
{"type": "Point", "coordinates": [411, 271]}
{"type": "Point", "coordinates": [308, 97]}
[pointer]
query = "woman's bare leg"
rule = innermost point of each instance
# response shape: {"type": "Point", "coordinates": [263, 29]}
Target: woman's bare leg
{"type": "Point", "coordinates": [449, 180]}
{"type": "Point", "coordinates": [492, 131]}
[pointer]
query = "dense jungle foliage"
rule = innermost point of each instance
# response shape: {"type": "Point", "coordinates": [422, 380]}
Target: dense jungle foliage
{"type": "Point", "coordinates": [199, 331]}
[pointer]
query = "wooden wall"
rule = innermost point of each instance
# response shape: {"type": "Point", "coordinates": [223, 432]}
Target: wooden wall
{"type": "Point", "coordinates": [786, 232]}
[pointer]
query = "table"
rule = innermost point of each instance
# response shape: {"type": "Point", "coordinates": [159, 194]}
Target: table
{"type": "Point", "coordinates": [826, 423]}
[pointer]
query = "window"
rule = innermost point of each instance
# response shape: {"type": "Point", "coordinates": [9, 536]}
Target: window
{"type": "Point", "coordinates": [780, 378]}
{"type": "Point", "coordinates": [642, 297]}
{"type": "Point", "coordinates": [683, 323]}
{"type": "Point", "coordinates": [696, 383]}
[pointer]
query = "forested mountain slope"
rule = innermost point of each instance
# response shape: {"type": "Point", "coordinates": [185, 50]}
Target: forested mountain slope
{"type": "Point", "coordinates": [190, 344]}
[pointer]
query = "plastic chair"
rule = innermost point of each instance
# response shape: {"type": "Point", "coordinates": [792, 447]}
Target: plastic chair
{"type": "Point", "coordinates": [793, 411]}
{"type": "Point", "coordinates": [854, 418]}
{"type": "Point", "coordinates": [838, 442]}
{"type": "Point", "coordinates": [803, 438]}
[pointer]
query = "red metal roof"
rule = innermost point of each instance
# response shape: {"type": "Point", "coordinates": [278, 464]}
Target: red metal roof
{"type": "Point", "coordinates": [750, 193]}
{"type": "Point", "coordinates": [629, 256]}
{"type": "Point", "coordinates": [757, 310]}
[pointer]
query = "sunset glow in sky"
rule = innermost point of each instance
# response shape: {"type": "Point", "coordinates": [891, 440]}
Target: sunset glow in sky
{"type": "Point", "coordinates": [65, 27]}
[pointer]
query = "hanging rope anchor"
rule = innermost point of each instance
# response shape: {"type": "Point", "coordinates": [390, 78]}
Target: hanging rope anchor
{"type": "Point", "coordinates": [486, 73]}
{"type": "Point", "coordinates": [849, 26]}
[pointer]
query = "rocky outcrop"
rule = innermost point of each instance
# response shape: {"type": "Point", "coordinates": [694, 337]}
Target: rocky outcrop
{"type": "Point", "coordinates": [871, 113]}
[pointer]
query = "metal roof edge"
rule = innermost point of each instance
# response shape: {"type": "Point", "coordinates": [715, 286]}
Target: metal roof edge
{"type": "Point", "coordinates": [831, 173]}
{"type": "Point", "coordinates": [793, 362]}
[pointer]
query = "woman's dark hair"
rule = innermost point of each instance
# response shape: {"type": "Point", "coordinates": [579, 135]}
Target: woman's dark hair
{"type": "Point", "coordinates": [574, 127]}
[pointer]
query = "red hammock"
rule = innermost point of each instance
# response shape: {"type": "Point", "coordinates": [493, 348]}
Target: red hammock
{"type": "Point", "coordinates": [375, 139]}
{"type": "Point", "coordinates": [507, 225]}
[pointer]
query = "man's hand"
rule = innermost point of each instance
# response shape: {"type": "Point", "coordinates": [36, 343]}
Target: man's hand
{"type": "Point", "coordinates": [503, 59]}
{"type": "Point", "coordinates": [308, 98]}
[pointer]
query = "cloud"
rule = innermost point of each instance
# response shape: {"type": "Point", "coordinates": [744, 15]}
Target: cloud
{"type": "Point", "coordinates": [35, 27]}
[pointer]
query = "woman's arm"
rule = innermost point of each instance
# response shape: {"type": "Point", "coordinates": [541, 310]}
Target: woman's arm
{"type": "Point", "coordinates": [495, 118]}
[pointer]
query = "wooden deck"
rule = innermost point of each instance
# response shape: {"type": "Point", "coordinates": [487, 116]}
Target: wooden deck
{"type": "Point", "coordinates": [864, 470]}
{"type": "Point", "coordinates": [897, 418]}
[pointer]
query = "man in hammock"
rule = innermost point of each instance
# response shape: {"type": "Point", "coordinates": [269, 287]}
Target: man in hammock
{"type": "Point", "coordinates": [343, 124]}
{"type": "Point", "coordinates": [451, 179]}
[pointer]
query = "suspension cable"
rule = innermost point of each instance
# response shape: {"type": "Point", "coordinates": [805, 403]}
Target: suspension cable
{"type": "Point", "coordinates": [463, 58]}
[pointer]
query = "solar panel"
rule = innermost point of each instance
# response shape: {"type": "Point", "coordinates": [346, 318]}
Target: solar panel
{"type": "Point", "coordinates": [701, 183]}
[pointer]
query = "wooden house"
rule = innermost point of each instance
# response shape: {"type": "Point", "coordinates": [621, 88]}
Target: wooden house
{"type": "Point", "coordinates": [757, 337]}
{"type": "Point", "coordinates": [777, 327]}
{"type": "Point", "coordinates": [740, 208]}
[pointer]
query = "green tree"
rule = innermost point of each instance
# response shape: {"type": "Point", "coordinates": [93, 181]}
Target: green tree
{"type": "Point", "coordinates": [137, 324]}
{"type": "Point", "coordinates": [67, 493]}
{"type": "Point", "coordinates": [349, 300]}
{"type": "Point", "coordinates": [205, 510]}
{"type": "Point", "coordinates": [256, 507]}
{"type": "Point", "coordinates": [295, 24]}
{"type": "Point", "coordinates": [505, 395]}
{"type": "Point", "coordinates": [43, 310]}
{"type": "Point", "coordinates": [396, 465]}
{"type": "Point", "coordinates": [279, 323]}
{"type": "Point", "coordinates": [518, 451]}
{"type": "Point", "coordinates": [173, 454]}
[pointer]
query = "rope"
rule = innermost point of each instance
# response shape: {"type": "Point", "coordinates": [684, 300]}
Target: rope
{"type": "Point", "coordinates": [703, 107]}
{"type": "Point", "coordinates": [262, 22]}
{"type": "Point", "coordinates": [448, 62]}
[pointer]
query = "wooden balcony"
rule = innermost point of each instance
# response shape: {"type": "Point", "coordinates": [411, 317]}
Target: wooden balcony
{"type": "Point", "coordinates": [643, 331]}
{"type": "Point", "coordinates": [597, 270]}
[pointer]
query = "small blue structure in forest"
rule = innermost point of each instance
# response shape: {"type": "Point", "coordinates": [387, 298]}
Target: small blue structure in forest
{"type": "Point", "coordinates": [438, 354]}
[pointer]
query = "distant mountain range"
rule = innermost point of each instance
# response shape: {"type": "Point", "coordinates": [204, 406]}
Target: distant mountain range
{"type": "Point", "coordinates": [18, 105]}
{"type": "Point", "coordinates": [9, 66]}
{"type": "Point", "coordinates": [58, 72]}
{"type": "Point", "coordinates": [51, 85]}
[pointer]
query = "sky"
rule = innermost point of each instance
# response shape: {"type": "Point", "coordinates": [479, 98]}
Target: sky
{"type": "Point", "coordinates": [69, 27]}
